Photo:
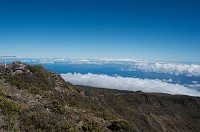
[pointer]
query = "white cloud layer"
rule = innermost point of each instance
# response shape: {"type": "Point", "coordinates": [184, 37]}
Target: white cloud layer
{"type": "Point", "coordinates": [169, 68]}
{"type": "Point", "coordinates": [163, 67]}
{"type": "Point", "coordinates": [158, 67]}
{"type": "Point", "coordinates": [125, 83]}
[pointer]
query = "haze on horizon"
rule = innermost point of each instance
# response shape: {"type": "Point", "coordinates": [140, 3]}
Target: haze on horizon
{"type": "Point", "coordinates": [150, 30]}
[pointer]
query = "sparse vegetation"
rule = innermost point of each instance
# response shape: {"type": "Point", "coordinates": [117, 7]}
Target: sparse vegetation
{"type": "Point", "coordinates": [119, 125]}
{"type": "Point", "coordinates": [8, 106]}
{"type": "Point", "coordinates": [40, 78]}
{"type": "Point", "coordinates": [91, 127]}
{"type": "Point", "coordinates": [29, 101]}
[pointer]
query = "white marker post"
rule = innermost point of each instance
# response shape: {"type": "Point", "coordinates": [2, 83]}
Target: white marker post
{"type": "Point", "coordinates": [5, 59]}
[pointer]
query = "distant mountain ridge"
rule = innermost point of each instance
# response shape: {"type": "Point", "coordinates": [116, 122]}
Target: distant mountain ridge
{"type": "Point", "coordinates": [35, 99]}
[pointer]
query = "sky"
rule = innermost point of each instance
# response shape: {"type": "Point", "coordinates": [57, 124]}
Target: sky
{"type": "Point", "coordinates": [139, 29]}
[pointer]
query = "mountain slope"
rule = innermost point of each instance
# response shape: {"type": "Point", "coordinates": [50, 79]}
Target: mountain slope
{"type": "Point", "coordinates": [152, 112]}
{"type": "Point", "coordinates": [34, 99]}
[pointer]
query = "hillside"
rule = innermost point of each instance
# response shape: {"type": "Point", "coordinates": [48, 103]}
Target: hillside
{"type": "Point", "coordinates": [34, 99]}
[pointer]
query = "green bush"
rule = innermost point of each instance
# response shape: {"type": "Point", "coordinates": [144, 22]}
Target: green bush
{"type": "Point", "coordinates": [8, 106]}
{"type": "Point", "coordinates": [119, 125]}
{"type": "Point", "coordinates": [56, 106]}
{"type": "Point", "coordinates": [38, 121]}
{"type": "Point", "coordinates": [90, 127]}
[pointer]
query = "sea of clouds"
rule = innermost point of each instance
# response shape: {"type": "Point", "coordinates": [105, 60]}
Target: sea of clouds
{"type": "Point", "coordinates": [127, 83]}
{"type": "Point", "coordinates": [169, 68]}
{"type": "Point", "coordinates": [175, 68]}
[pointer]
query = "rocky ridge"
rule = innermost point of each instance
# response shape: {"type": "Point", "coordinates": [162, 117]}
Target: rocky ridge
{"type": "Point", "coordinates": [41, 109]}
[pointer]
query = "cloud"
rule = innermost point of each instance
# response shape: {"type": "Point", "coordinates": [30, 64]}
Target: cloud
{"type": "Point", "coordinates": [169, 68]}
{"type": "Point", "coordinates": [77, 60]}
{"type": "Point", "coordinates": [134, 65]}
{"type": "Point", "coordinates": [125, 83]}
{"type": "Point", "coordinates": [194, 82]}
{"type": "Point", "coordinates": [193, 86]}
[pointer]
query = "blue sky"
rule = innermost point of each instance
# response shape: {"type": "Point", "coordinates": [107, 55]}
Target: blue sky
{"type": "Point", "coordinates": [140, 29]}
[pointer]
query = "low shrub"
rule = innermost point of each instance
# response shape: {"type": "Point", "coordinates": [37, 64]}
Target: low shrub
{"type": "Point", "coordinates": [119, 125]}
{"type": "Point", "coordinates": [8, 106]}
